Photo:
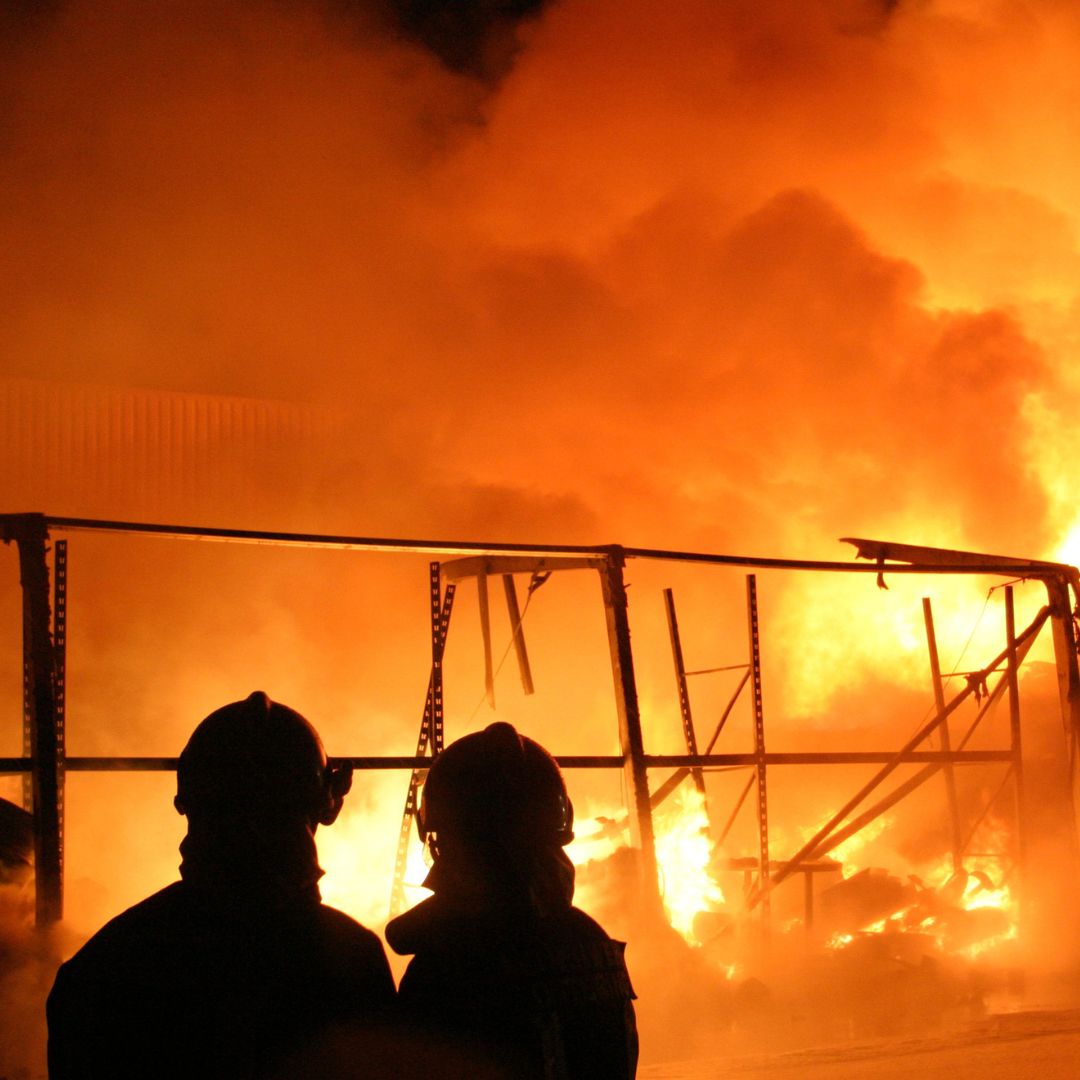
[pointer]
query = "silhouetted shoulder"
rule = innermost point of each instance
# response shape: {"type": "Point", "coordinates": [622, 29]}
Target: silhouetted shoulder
{"type": "Point", "coordinates": [128, 951]}
{"type": "Point", "coordinates": [521, 985]}
{"type": "Point", "coordinates": [353, 956]}
{"type": "Point", "coordinates": [180, 983]}
{"type": "Point", "coordinates": [238, 969]}
{"type": "Point", "coordinates": [577, 922]}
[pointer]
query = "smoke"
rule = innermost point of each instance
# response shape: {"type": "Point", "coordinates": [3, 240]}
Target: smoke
{"type": "Point", "coordinates": [706, 252]}
{"type": "Point", "coordinates": [745, 276]}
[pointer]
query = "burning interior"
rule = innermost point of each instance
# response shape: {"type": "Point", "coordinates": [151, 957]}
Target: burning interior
{"type": "Point", "coordinates": [892, 862]}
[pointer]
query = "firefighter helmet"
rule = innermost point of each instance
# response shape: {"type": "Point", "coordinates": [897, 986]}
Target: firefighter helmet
{"type": "Point", "coordinates": [257, 754]}
{"type": "Point", "coordinates": [496, 783]}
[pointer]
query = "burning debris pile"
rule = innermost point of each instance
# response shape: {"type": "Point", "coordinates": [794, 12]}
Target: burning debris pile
{"type": "Point", "coordinates": [968, 914]}
{"type": "Point", "coordinates": [866, 949]}
{"type": "Point", "coordinates": [881, 955]}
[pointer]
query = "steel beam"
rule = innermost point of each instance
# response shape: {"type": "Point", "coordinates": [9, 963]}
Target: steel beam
{"type": "Point", "coordinates": [1013, 679]}
{"type": "Point", "coordinates": [577, 761]}
{"type": "Point", "coordinates": [517, 633]}
{"type": "Point", "coordinates": [948, 558]}
{"type": "Point", "coordinates": [1008, 567]}
{"type": "Point", "coordinates": [429, 743]}
{"type": "Point", "coordinates": [1063, 615]}
{"type": "Point", "coordinates": [951, 801]}
{"type": "Point", "coordinates": [735, 810]}
{"type": "Point", "coordinates": [484, 565]}
{"type": "Point", "coordinates": [31, 536]}
{"type": "Point", "coordinates": [760, 765]}
{"type": "Point", "coordinates": [689, 737]}
{"type": "Point", "coordinates": [485, 637]}
{"type": "Point", "coordinates": [613, 588]}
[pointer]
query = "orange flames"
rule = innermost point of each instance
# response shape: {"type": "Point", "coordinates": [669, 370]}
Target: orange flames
{"type": "Point", "coordinates": [684, 853]}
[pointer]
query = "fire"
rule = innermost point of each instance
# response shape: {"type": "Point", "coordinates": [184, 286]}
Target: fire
{"type": "Point", "coordinates": [358, 852]}
{"type": "Point", "coordinates": [684, 851]}
{"type": "Point", "coordinates": [596, 838]}
{"type": "Point", "coordinates": [851, 632]}
{"type": "Point", "coordinates": [684, 855]}
{"type": "Point", "coordinates": [965, 913]}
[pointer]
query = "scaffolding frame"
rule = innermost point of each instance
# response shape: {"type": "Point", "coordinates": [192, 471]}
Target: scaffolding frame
{"type": "Point", "coordinates": [45, 630]}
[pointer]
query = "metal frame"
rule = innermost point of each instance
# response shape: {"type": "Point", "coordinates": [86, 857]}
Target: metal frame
{"type": "Point", "coordinates": [44, 630]}
{"type": "Point", "coordinates": [808, 860]}
{"type": "Point", "coordinates": [431, 727]}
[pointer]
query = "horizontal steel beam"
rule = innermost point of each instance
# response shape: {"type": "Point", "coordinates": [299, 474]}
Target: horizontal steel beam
{"type": "Point", "coordinates": [1009, 567]}
{"type": "Point", "coordinates": [883, 550]}
{"type": "Point", "coordinates": [850, 757]}
{"type": "Point", "coordinates": [570, 761]}
{"type": "Point", "coordinates": [477, 565]}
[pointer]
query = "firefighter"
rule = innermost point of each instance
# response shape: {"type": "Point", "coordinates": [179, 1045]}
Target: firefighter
{"type": "Point", "coordinates": [237, 968]}
{"type": "Point", "coordinates": [505, 971]}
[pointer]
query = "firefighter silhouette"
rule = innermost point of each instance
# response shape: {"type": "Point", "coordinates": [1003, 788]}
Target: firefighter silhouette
{"type": "Point", "coordinates": [504, 968]}
{"type": "Point", "coordinates": [237, 967]}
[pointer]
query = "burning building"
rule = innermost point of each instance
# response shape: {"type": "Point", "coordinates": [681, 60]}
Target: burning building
{"type": "Point", "coordinates": [663, 858]}
{"type": "Point", "coordinates": [742, 277]}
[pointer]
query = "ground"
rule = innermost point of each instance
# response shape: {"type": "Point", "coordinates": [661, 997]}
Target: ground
{"type": "Point", "coordinates": [1043, 1044]}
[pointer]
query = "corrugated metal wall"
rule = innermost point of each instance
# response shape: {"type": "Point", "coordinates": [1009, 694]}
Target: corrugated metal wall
{"type": "Point", "coordinates": [92, 450]}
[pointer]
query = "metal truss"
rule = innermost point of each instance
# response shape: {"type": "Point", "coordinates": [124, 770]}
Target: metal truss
{"type": "Point", "coordinates": [44, 632]}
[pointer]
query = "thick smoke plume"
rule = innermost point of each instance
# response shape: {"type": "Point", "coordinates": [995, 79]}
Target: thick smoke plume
{"type": "Point", "coordinates": [771, 272]}
{"type": "Point", "coordinates": [733, 277]}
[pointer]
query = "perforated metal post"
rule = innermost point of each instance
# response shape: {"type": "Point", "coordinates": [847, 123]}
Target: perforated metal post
{"type": "Point", "coordinates": [440, 620]}
{"type": "Point", "coordinates": [759, 743]}
{"type": "Point", "coordinates": [59, 618]}
{"type": "Point", "coordinates": [431, 727]}
{"type": "Point", "coordinates": [45, 725]}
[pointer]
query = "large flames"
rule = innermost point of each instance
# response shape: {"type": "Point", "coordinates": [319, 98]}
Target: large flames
{"type": "Point", "coordinates": [684, 853]}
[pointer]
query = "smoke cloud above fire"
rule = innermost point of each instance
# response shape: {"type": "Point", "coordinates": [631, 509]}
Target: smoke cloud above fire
{"type": "Point", "coordinates": [737, 276]}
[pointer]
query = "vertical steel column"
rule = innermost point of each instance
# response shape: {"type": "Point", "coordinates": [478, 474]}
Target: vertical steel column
{"type": "Point", "coordinates": [626, 702]}
{"type": "Point", "coordinates": [46, 746]}
{"type": "Point", "coordinates": [1012, 672]}
{"type": "Point", "coordinates": [684, 691]}
{"type": "Point", "coordinates": [759, 743]}
{"type": "Point", "coordinates": [28, 723]}
{"type": "Point", "coordinates": [946, 744]}
{"type": "Point", "coordinates": [60, 579]}
{"type": "Point", "coordinates": [1068, 686]}
{"type": "Point", "coordinates": [440, 620]}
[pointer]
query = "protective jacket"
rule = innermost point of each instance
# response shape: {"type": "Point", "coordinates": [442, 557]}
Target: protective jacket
{"type": "Point", "coordinates": [523, 991]}
{"type": "Point", "coordinates": [182, 985]}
